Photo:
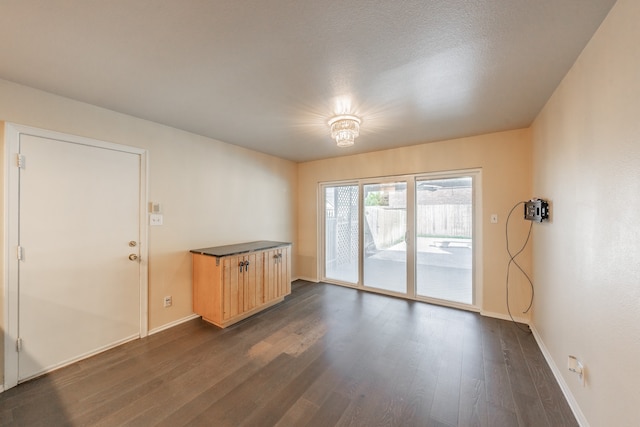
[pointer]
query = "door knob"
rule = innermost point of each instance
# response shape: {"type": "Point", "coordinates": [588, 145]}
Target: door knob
{"type": "Point", "coordinates": [133, 257]}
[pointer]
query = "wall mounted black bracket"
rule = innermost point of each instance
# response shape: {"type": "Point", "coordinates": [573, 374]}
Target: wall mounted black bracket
{"type": "Point", "coordinates": [536, 210]}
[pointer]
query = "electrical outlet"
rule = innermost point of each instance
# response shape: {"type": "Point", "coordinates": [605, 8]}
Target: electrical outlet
{"type": "Point", "coordinates": [577, 367]}
{"type": "Point", "coordinates": [168, 301]}
{"type": "Point", "coordinates": [155, 219]}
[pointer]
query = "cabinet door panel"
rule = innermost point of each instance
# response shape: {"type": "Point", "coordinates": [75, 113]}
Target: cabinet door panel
{"type": "Point", "coordinates": [271, 289]}
{"type": "Point", "coordinates": [249, 300]}
{"type": "Point", "coordinates": [285, 271]}
{"type": "Point", "coordinates": [278, 275]}
{"type": "Point", "coordinates": [232, 287]}
{"type": "Point", "coordinates": [252, 281]}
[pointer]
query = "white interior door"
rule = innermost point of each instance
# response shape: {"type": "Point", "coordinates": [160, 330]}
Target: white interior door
{"type": "Point", "coordinates": [78, 290]}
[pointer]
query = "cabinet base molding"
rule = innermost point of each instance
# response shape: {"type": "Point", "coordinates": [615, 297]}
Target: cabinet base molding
{"type": "Point", "coordinates": [243, 316]}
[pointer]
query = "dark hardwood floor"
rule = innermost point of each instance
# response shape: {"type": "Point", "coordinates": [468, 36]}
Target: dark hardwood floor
{"type": "Point", "coordinates": [326, 356]}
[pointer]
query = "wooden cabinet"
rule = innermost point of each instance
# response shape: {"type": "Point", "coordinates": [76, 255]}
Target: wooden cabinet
{"type": "Point", "coordinates": [230, 283]}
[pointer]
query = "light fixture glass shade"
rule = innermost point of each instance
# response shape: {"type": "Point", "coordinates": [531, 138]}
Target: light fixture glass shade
{"type": "Point", "coordinates": [344, 129]}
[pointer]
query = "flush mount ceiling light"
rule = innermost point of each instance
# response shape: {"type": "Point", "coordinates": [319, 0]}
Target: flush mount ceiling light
{"type": "Point", "coordinates": [344, 129]}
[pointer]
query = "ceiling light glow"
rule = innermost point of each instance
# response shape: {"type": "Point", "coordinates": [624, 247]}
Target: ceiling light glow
{"type": "Point", "coordinates": [344, 129]}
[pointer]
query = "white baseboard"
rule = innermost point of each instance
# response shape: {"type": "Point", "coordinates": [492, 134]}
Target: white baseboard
{"type": "Point", "coordinates": [573, 404]}
{"type": "Point", "coordinates": [172, 324]}
{"type": "Point", "coordinates": [502, 316]}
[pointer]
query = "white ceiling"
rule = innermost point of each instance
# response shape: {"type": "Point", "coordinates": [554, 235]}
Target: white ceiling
{"type": "Point", "coordinates": [267, 74]}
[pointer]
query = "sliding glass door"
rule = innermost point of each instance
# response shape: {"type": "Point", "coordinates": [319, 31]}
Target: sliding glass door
{"type": "Point", "coordinates": [444, 239]}
{"type": "Point", "coordinates": [385, 229]}
{"type": "Point", "coordinates": [341, 247]}
{"type": "Point", "coordinates": [409, 236]}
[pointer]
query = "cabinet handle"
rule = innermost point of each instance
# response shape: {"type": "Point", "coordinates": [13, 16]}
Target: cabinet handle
{"type": "Point", "coordinates": [241, 265]}
{"type": "Point", "coordinates": [246, 266]}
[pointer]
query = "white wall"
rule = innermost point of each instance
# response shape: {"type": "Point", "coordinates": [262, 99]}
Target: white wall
{"type": "Point", "coordinates": [212, 193]}
{"type": "Point", "coordinates": [586, 150]}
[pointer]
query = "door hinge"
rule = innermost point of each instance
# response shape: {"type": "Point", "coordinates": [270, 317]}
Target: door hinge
{"type": "Point", "coordinates": [19, 345]}
{"type": "Point", "coordinates": [19, 253]}
{"type": "Point", "coordinates": [20, 160]}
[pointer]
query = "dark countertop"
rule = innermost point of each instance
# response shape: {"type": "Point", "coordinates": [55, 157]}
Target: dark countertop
{"type": "Point", "coordinates": [239, 248]}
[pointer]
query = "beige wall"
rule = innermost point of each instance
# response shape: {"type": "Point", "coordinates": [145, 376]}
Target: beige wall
{"type": "Point", "coordinates": [505, 160]}
{"type": "Point", "coordinates": [586, 145]}
{"type": "Point", "coordinates": [212, 193]}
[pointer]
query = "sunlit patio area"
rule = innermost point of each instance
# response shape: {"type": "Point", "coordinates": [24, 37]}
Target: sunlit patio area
{"type": "Point", "coordinates": [443, 269]}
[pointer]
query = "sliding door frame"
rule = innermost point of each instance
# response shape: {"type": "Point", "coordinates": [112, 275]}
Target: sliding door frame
{"type": "Point", "coordinates": [409, 240]}
{"type": "Point", "coordinates": [476, 242]}
{"type": "Point", "coordinates": [410, 179]}
{"type": "Point", "coordinates": [322, 221]}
